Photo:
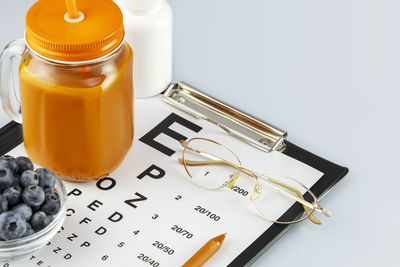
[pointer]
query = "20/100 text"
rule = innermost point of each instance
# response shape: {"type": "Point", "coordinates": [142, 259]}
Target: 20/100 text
{"type": "Point", "coordinates": [208, 213]}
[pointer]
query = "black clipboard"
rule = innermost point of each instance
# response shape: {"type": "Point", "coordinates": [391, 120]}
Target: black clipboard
{"type": "Point", "coordinates": [262, 135]}
{"type": "Point", "coordinates": [11, 136]}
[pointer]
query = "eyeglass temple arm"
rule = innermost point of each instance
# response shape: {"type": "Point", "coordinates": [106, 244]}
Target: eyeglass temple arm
{"type": "Point", "coordinates": [302, 201]}
{"type": "Point", "coordinates": [231, 164]}
{"type": "Point", "coordinates": [295, 190]}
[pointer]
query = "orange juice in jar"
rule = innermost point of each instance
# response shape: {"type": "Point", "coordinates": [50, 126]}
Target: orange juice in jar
{"type": "Point", "coordinates": [76, 87]}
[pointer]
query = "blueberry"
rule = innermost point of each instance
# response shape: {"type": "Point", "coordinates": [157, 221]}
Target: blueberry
{"type": "Point", "coordinates": [16, 181]}
{"type": "Point", "coordinates": [24, 164]}
{"type": "Point", "coordinates": [28, 178]}
{"type": "Point", "coordinates": [13, 195]}
{"type": "Point", "coordinates": [9, 162]}
{"type": "Point", "coordinates": [6, 178]}
{"type": "Point", "coordinates": [40, 220]}
{"type": "Point", "coordinates": [24, 210]}
{"type": "Point", "coordinates": [29, 230]}
{"type": "Point", "coordinates": [48, 190]}
{"type": "Point", "coordinates": [33, 195]}
{"type": "Point", "coordinates": [51, 203]}
{"type": "Point", "coordinates": [3, 204]}
{"type": "Point", "coordinates": [46, 177]}
{"type": "Point", "coordinates": [12, 225]}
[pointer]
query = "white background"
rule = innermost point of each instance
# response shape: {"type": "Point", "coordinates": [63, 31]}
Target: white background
{"type": "Point", "coordinates": [325, 71]}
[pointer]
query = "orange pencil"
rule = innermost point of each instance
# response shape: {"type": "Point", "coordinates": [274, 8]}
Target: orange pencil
{"type": "Point", "coordinates": [206, 251]}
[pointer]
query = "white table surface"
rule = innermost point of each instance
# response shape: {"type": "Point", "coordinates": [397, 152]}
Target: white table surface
{"type": "Point", "coordinates": [325, 71]}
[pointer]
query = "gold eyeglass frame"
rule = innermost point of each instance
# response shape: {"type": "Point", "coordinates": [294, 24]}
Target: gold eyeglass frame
{"type": "Point", "coordinates": [308, 207]}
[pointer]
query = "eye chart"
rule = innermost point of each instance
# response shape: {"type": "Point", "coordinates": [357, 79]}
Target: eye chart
{"type": "Point", "coordinates": [148, 213]}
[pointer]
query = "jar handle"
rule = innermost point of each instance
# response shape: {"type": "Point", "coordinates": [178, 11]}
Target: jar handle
{"type": "Point", "coordinates": [8, 79]}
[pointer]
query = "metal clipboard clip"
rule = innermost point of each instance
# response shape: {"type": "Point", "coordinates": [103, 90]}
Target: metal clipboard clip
{"type": "Point", "coordinates": [251, 130]}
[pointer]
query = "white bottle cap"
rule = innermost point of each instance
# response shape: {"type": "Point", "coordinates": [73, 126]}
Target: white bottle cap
{"type": "Point", "coordinates": [140, 5]}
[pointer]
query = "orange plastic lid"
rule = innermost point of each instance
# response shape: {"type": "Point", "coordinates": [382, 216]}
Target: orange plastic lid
{"type": "Point", "coordinates": [89, 30]}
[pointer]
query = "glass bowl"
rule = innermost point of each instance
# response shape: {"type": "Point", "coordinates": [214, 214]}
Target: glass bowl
{"type": "Point", "coordinates": [23, 247]}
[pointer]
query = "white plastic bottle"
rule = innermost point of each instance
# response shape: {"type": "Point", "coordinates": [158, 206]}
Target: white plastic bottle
{"type": "Point", "coordinates": [148, 29]}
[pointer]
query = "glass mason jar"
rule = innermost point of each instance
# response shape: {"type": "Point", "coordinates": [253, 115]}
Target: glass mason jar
{"type": "Point", "coordinates": [76, 114]}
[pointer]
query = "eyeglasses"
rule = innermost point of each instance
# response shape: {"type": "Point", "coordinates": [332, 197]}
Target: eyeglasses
{"type": "Point", "coordinates": [214, 166]}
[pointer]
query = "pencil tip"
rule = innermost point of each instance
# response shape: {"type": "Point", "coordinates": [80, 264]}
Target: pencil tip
{"type": "Point", "coordinates": [219, 238]}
